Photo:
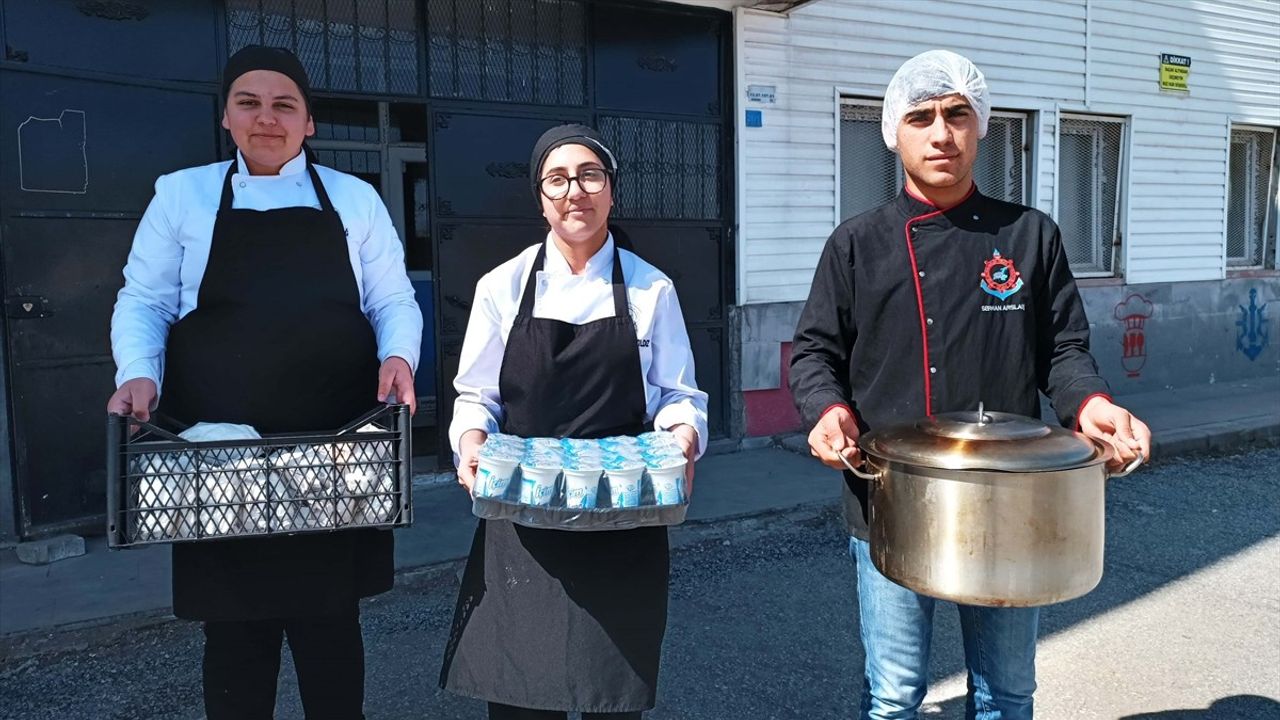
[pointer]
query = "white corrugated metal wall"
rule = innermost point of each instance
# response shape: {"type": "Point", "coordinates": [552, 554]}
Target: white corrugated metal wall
{"type": "Point", "coordinates": [1042, 56]}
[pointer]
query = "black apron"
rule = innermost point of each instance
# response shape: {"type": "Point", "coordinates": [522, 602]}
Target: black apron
{"type": "Point", "coordinates": [277, 341]}
{"type": "Point", "coordinates": [560, 620]}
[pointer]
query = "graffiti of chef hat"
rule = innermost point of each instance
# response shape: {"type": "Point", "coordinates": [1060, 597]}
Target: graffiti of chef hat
{"type": "Point", "coordinates": [929, 75]}
{"type": "Point", "coordinates": [1134, 306]}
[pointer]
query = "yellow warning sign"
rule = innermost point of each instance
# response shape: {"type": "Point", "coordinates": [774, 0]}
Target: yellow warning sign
{"type": "Point", "coordinates": [1174, 71]}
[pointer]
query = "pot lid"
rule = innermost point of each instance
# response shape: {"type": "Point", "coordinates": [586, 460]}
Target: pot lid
{"type": "Point", "coordinates": [984, 440]}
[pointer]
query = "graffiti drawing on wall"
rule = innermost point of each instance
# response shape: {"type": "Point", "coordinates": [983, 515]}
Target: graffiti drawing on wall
{"type": "Point", "coordinates": [1133, 313]}
{"type": "Point", "coordinates": [1254, 333]}
{"type": "Point", "coordinates": [51, 154]}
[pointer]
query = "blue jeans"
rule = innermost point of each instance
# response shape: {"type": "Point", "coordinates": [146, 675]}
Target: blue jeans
{"type": "Point", "coordinates": [896, 630]}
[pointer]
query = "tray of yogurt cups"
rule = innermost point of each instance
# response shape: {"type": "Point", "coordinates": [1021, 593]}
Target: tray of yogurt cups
{"type": "Point", "coordinates": [612, 483]}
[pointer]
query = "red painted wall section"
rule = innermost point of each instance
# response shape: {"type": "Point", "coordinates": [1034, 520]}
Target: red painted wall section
{"type": "Point", "coordinates": [771, 412]}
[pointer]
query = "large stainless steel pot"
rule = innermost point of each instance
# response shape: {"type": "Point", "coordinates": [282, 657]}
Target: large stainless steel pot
{"type": "Point", "coordinates": [988, 508]}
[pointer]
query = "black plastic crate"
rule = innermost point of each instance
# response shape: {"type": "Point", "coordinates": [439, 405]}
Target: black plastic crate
{"type": "Point", "coordinates": [164, 489]}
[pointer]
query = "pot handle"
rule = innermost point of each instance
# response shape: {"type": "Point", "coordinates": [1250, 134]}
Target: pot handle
{"type": "Point", "coordinates": [869, 477]}
{"type": "Point", "coordinates": [1127, 469]}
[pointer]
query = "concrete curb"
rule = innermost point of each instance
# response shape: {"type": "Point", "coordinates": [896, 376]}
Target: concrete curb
{"type": "Point", "coordinates": [1217, 437]}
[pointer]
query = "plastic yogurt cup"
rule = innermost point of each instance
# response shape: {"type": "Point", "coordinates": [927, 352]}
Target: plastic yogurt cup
{"type": "Point", "coordinates": [580, 487]}
{"type": "Point", "coordinates": [494, 474]}
{"type": "Point", "coordinates": [537, 483]}
{"type": "Point", "coordinates": [655, 440]}
{"type": "Point", "coordinates": [624, 483]}
{"type": "Point", "coordinates": [668, 481]}
{"type": "Point", "coordinates": [501, 440]}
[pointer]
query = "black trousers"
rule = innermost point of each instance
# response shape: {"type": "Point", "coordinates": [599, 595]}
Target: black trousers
{"type": "Point", "coordinates": [498, 711]}
{"type": "Point", "coordinates": [242, 662]}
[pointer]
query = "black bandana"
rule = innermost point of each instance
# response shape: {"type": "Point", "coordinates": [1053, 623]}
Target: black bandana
{"type": "Point", "coordinates": [261, 57]}
{"type": "Point", "coordinates": [569, 135]}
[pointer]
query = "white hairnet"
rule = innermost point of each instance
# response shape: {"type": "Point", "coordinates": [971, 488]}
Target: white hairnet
{"type": "Point", "coordinates": [930, 75]}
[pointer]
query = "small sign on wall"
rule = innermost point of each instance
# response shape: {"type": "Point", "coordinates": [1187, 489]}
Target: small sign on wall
{"type": "Point", "coordinates": [755, 118]}
{"type": "Point", "coordinates": [1174, 72]}
{"type": "Point", "coordinates": [767, 94]}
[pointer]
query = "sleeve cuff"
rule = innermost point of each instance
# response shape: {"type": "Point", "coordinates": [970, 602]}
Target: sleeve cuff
{"type": "Point", "coordinates": [682, 414]}
{"type": "Point", "coordinates": [409, 355]}
{"type": "Point", "coordinates": [143, 368]}
{"type": "Point", "coordinates": [472, 418]}
{"type": "Point", "coordinates": [819, 403]}
{"type": "Point", "coordinates": [1068, 401]}
{"type": "Point", "coordinates": [834, 406]}
{"type": "Point", "coordinates": [1080, 407]}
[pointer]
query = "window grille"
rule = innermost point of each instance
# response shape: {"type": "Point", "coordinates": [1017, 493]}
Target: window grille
{"type": "Point", "coordinates": [521, 51]}
{"type": "Point", "coordinates": [669, 170]}
{"type": "Point", "coordinates": [1001, 167]}
{"type": "Point", "coordinates": [357, 46]}
{"type": "Point", "coordinates": [1089, 183]}
{"type": "Point", "coordinates": [870, 173]}
{"type": "Point", "coordinates": [1249, 196]}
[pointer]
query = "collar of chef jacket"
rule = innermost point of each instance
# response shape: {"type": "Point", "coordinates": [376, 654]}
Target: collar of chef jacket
{"type": "Point", "coordinates": [921, 211]}
{"type": "Point", "coordinates": [297, 165]}
{"type": "Point", "coordinates": [599, 265]}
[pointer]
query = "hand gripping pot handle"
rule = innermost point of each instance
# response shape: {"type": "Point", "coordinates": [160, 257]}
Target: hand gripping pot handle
{"type": "Point", "coordinates": [1127, 469]}
{"type": "Point", "coordinates": [875, 477]}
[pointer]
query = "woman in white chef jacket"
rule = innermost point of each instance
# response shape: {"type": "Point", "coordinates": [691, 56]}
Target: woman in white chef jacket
{"type": "Point", "coordinates": [573, 337]}
{"type": "Point", "coordinates": [271, 292]}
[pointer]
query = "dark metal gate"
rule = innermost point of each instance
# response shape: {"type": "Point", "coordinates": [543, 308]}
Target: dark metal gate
{"type": "Point", "coordinates": [126, 90]}
{"type": "Point", "coordinates": [653, 78]}
{"type": "Point", "coordinates": [80, 155]}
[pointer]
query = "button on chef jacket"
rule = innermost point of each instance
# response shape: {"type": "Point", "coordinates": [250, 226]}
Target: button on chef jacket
{"type": "Point", "coordinates": [666, 360]}
{"type": "Point", "coordinates": [171, 250]}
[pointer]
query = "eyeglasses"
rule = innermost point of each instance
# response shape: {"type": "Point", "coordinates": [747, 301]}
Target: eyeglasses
{"type": "Point", "coordinates": [556, 187]}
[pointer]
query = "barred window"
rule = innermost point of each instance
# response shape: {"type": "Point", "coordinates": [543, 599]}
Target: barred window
{"type": "Point", "coordinates": [1090, 152]}
{"type": "Point", "coordinates": [1249, 195]}
{"type": "Point", "coordinates": [522, 51]}
{"type": "Point", "coordinates": [360, 46]}
{"type": "Point", "coordinates": [871, 174]}
{"type": "Point", "coordinates": [1001, 168]}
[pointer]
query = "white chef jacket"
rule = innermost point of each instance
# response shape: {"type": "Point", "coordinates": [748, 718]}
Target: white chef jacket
{"type": "Point", "coordinates": [171, 249]}
{"type": "Point", "coordinates": [671, 393]}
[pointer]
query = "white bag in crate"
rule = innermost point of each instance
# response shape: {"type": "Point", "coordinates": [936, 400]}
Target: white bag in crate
{"type": "Point", "coordinates": [222, 472]}
{"type": "Point", "coordinates": [369, 473]}
{"type": "Point", "coordinates": [307, 475]}
{"type": "Point", "coordinates": [166, 496]}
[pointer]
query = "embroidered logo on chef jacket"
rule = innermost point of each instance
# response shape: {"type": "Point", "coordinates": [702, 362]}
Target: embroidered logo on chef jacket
{"type": "Point", "coordinates": [640, 342]}
{"type": "Point", "coordinates": [1000, 279]}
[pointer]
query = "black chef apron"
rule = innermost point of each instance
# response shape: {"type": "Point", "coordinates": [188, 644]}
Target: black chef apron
{"type": "Point", "coordinates": [277, 341]}
{"type": "Point", "coordinates": [561, 620]}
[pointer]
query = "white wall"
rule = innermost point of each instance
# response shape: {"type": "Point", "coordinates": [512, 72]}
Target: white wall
{"type": "Point", "coordinates": [1044, 56]}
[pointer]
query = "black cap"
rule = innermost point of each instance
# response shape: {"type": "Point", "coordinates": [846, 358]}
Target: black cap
{"type": "Point", "coordinates": [569, 135]}
{"type": "Point", "coordinates": [262, 57]}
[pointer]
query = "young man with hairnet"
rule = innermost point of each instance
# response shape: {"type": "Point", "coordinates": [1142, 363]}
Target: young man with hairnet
{"type": "Point", "coordinates": [933, 302]}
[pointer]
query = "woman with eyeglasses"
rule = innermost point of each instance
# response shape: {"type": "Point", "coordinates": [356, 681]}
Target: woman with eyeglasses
{"type": "Point", "coordinates": [577, 338]}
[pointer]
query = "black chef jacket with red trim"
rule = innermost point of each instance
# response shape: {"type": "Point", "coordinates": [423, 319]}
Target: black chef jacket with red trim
{"type": "Point", "coordinates": [917, 311]}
